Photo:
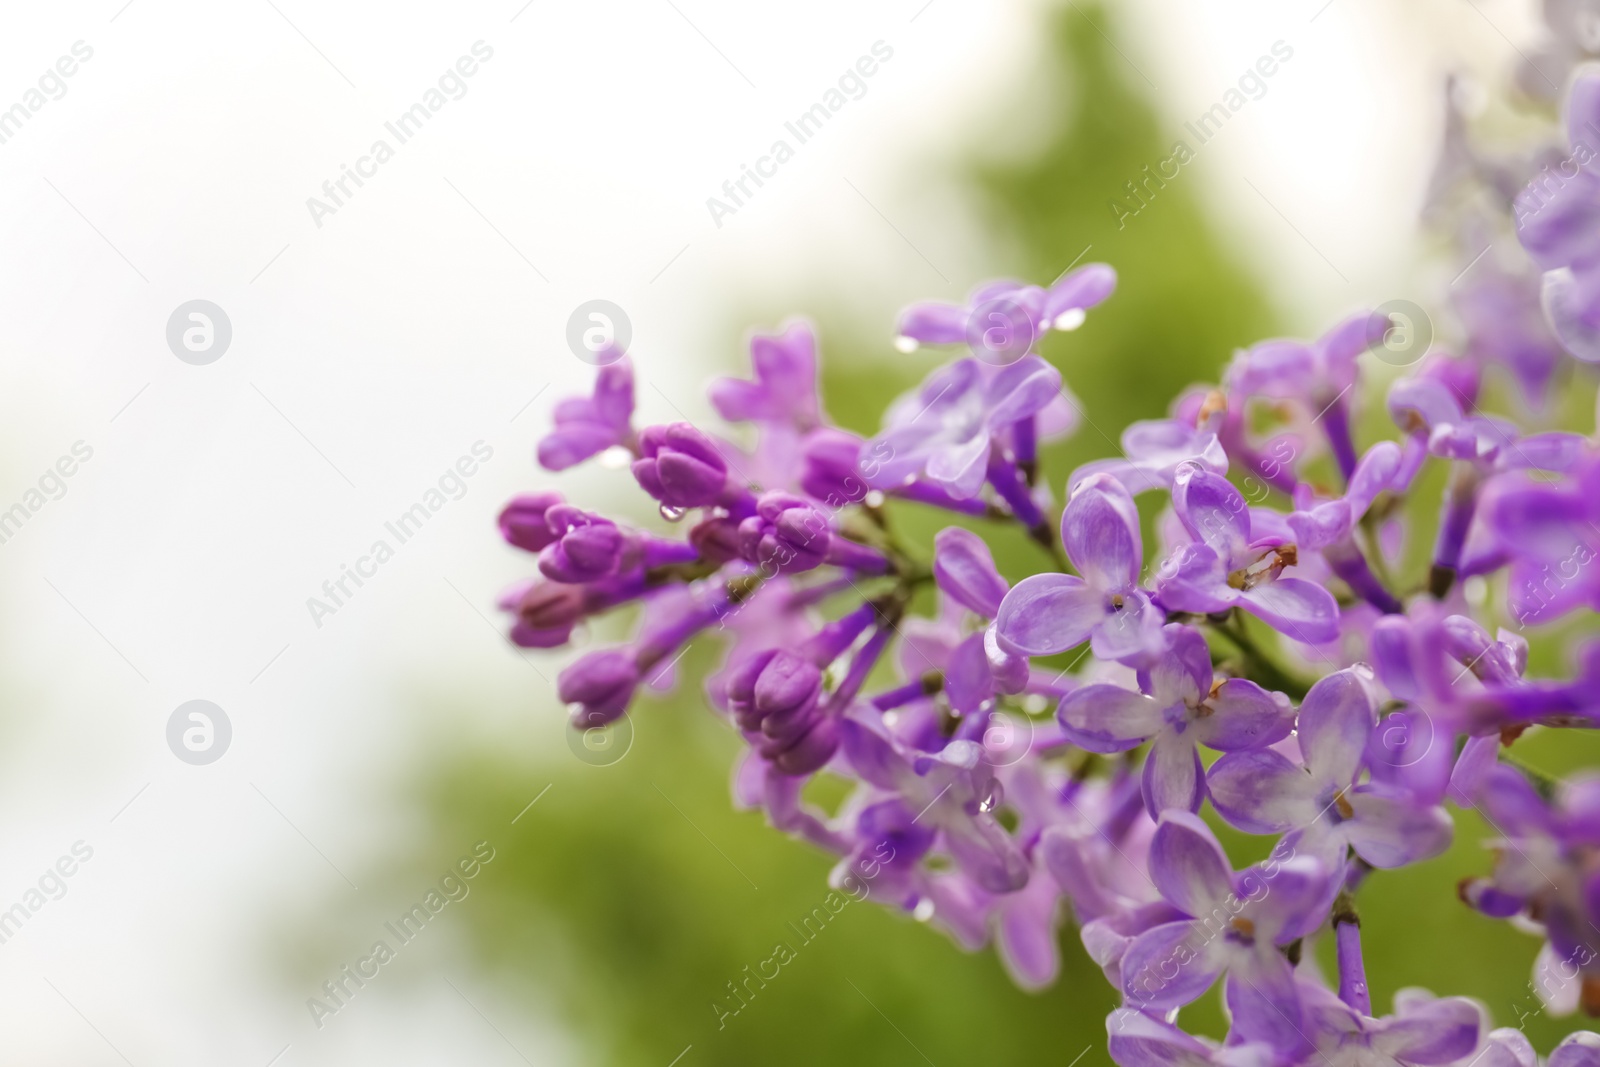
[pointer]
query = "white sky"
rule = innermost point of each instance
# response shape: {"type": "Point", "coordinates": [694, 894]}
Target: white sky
{"type": "Point", "coordinates": [424, 316]}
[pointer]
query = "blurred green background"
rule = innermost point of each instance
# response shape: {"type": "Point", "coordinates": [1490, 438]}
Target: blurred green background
{"type": "Point", "coordinates": [630, 895]}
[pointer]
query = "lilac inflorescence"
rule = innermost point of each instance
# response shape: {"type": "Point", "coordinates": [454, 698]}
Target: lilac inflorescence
{"type": "Point", "coordinates": [1060, 746]}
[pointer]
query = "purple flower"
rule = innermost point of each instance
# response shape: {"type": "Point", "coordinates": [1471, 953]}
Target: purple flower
{"type": "Point", "coordinates": [789, 535]}
{"type": "Point", "coordinates": [1155, 450]}
{"type": "Point", "coordinates": [585, 548]}
{"type": "Point", "coordinates": [1179, 709]}
{"type": "Point", "coordinates": [599, 686]}
{"type": "Point", "coordinates": [945, 431]}
{"type": "Point", "coordinates": [1136, 1039]}
{"type": "Point", "coordinates": [522, 521]}
{"type": "Point", "coordinates": [588, 425]}
{"type": "Point", "coordinates": [1423, 1030]}
{"type": "Point", "coordinates": [952, 791]}
{"type": "Point", "coordinates": [681, 467]}
{"type": "Point", "coordinates": [1262, 792]}
{"type": "Point", "coordinates": [1049, 613]}
{"type": "Point", "coordinates": [1236, 923]}
{"type": "Point", "coordinates": [785, 385]}
{"type": "Point", "coordinates": [1224, 568]}
{"type": "Point", "coordinates": [1061, 307]}
{"type": "Point", "coordinates": [1557, 219]}
{"type": "Point", "coordinates": [777, 695]}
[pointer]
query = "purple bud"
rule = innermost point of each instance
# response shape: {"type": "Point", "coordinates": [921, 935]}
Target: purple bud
{"type": "Point", "coordinates": [600, 685]}
{"type": "Point", "coordinates": [680, 466]}
{"type": "Point", "coordinates": [522, 521]}
{"type": "Point", "coordinates": [717, 540]}
{"type": "Point", "coordinates": [830, 470]}
{"type": "Point", "coordinates": [777, 696]}
{"type": "Point", "coordinates": [546, 614]}
{"type": "Point", "coordinates": [785, 533]}
{"type": "Point", "coordinates": [587, 548]}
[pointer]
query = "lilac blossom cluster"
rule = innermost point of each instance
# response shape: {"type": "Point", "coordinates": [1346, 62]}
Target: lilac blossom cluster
{"type": "Point", "coordinates": [1276, 667]}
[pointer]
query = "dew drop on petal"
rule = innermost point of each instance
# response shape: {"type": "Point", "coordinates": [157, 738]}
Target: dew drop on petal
{"type": "Point", "coordinates": [923, 911]}
{"type": "Point", "coordinates": [672, 514]}
{"type": "Point", "coordinates": [616, 458]}
{"type": "Point", "coordinates": [873, 499]}
{"type": "Point", "coordinates": [1476, 590]}
{"type": "Point", "coordinates": [1070, 319]}
{"type": "Point", "coordinates": [992, 797]}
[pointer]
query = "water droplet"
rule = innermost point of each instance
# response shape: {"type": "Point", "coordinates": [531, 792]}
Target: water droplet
{"type": "Point", "coordinates": [992, 797]}
{"type": "Point", "coordinates": [923, 911]}
{"type": "Point", "coordinates": [672, 514]}
{"type": "Point", "coordinates": [873, 499]}
{"type": "Point", "coordinates": [1070, 319]}
{"type": "Point", "coordinates": [616, 458]}
{"type": "Point", "coordinates": [907, 345]}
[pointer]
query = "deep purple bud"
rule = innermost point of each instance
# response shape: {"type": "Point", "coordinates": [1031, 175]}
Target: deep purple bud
{"type": "Point", "coordinates": [786, 533]}
{"type": "Point", "coordinates": [588, 547]}
{"type": "Point", "coordinates": [546, 614]}
{"type": "Point", "coordinates": [717, 540]}
{"type": "Point", "coordinates": [680, 466]}
{"type": "Point", "coordinates": [777, 696]}
{"type": "Point", "coordinates": [600, 685]}
{"type": "Point", "coordinates": [522, 521]}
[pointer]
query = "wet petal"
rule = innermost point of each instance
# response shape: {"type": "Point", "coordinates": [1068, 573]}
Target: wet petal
{"type": "Point", "coordinates": [1213, 511]}
{"type": "Point", "coordinates": [1048, 613]}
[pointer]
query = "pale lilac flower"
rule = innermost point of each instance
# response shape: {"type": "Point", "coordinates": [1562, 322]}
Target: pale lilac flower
{"type": "Point", "coordinates": [1050, 613]}
{"type": "Point", "coordinates": [1225, 567]}
{"type": "Point", "coordinates": [1263, 792]}
{"type": "Point", "coordinates": [1179, 708]}
{"type": "Point", "coordinates": [945, 434]}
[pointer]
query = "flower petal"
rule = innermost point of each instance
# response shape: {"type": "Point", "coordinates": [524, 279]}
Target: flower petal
{"type": "Point", "coordinates": [965, 571]}
{"type": "Point", "coordinates": [1440, 1031]}
{"type": "Point", "coordinates": [1108, 718]}
{"type": "Point", "coordinates": [1047, 613]}
{"type": "Point", "coordinates": [1244, 716]}
{"type": "Point", "coordinates": [1100, 529]}
{"type": "Point", "coordinates": [1173, 775]}
{"type": "Point", "coordinates": [1295, 608]}
{"type": "Point", "coordinates": [1390, 830]}
{"type": "Point", "coordinates": [1188, 866]}
{"type": "Point", "coordinates": [1261, 792]}
{"type": "Point", "coordinates": [1212, 510]}
{"type": "Point", "coordinates": [1171, 965]}
{"type": "Point", "coordinates": [1265, 1005]}
{"type": "Point", "coordinates": [1336, 719]}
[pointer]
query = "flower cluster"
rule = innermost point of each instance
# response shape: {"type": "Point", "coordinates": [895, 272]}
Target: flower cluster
{"type": "Point", "coordinates": [1033, 752]}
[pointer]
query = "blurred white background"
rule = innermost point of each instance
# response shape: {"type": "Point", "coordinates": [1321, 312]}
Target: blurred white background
{"type": "Point", "coordinates": [428, 313]}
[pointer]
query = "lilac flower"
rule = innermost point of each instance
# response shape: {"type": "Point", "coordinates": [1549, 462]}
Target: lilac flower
{"type": "Point", "coordinates": [1061, 307]}
{"type": "Point", "coordinates": [1262, 792]}
{"type": "Point", "coordinates": [952, 791]}
{"type": "Point", "coordinates": [1236, 922]}
{"type": "Point", "coordinates": [1422, 1030]}
{"type": "Point", "coordinates": [1179, 708]}
{"type": "Point", "coordinates": [946, 432]}
{"type": "Point", "coordinates": [523, 524]}
{"type": "Point", "coordinates": [682, 467]}
{"type": "Point", "coordinates": [790, 535]}
{"type": "Point", "coordinates": [1224, 568]}
{"type": "Point", "coordinates": [1136, 1039]}
{"type": "Point", "coordinates": [587, 426]}
{"type": "Point", "coordinates": [785, 385]}
{"type": "Point", "coordinates": [1155, 450]}
{"type": "Point", "coordinates": [1050, 613]}
{"type": "Point", "coordinates": [1557, 216]}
